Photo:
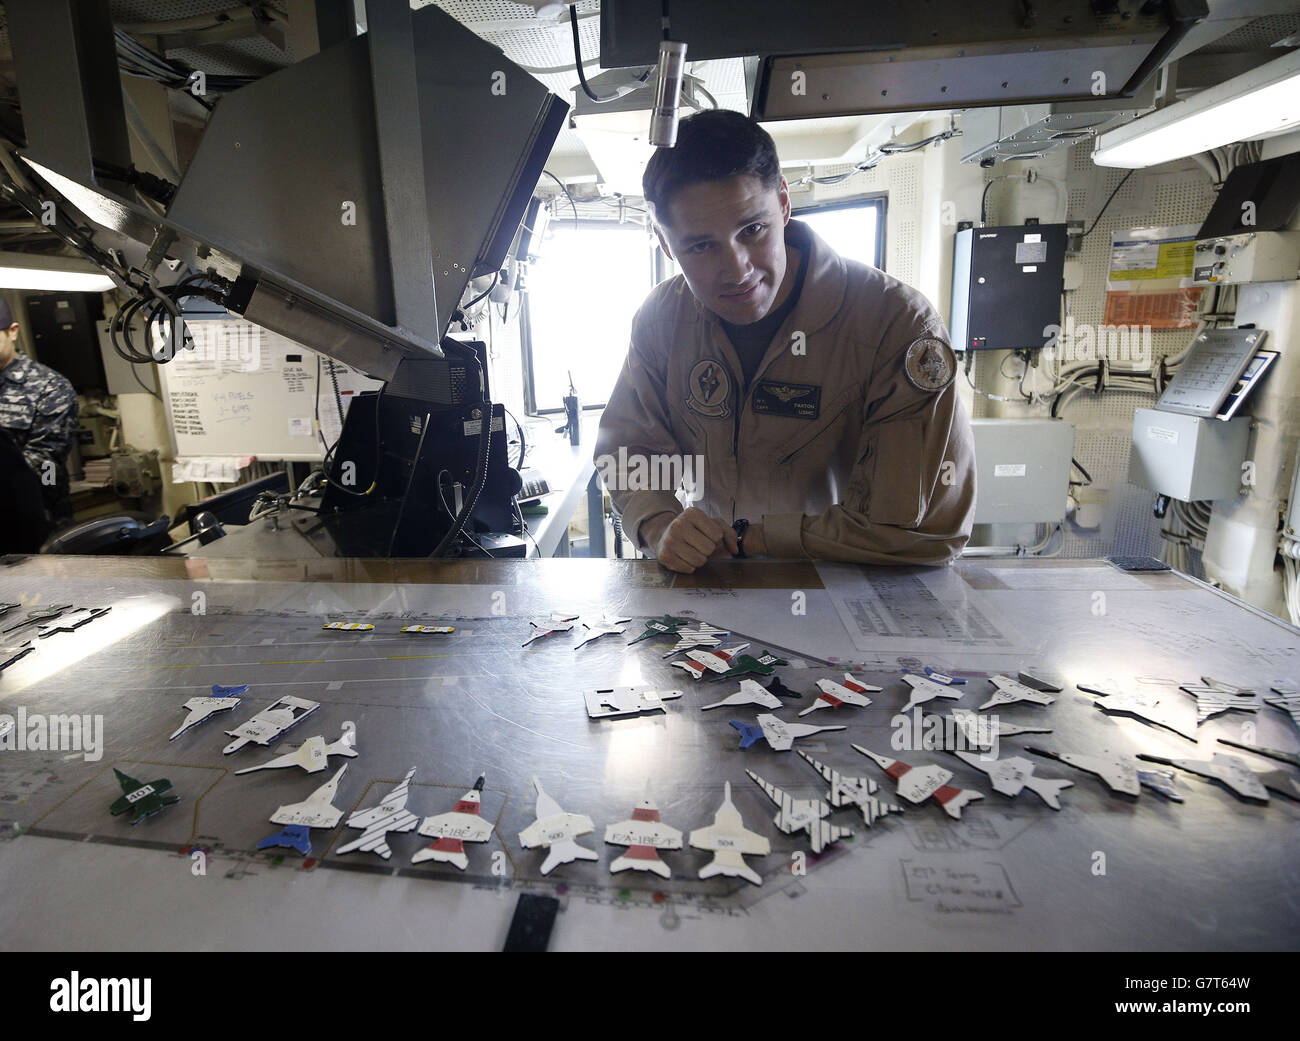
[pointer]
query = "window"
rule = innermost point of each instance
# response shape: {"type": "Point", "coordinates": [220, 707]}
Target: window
{"type": "Point", "coordinates": [583, 289]}
{"type": "Point", "coordinates": [853, 229]}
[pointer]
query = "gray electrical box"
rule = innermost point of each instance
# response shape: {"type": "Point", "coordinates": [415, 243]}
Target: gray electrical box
{"type": "Point", "coordinates": [1022, 470]}
{"type": "Point", "coordinates": [1188, 457]}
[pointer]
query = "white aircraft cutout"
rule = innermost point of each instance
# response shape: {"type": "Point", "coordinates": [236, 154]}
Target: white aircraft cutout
{"type": "Point", "coordinates": [1012, 775]}
{"type": "Point", "coordinates": [270, 723]}
{"type": "Point", "coordinates": [925, 689]}
{"type": "Point", "coordinates": [1141, 705]}
{"type": "Point", "coordinates": [1229, 770]}
{"type": "Point", "coordinates": [1118, 772]}
{"type": "Point", "coordinates": [614, 702]}
{"type": "Point", "coordinates": [602, 626]}
{"type": "Point", "coordinates": [730, 842]}
{"type": "Point", "coordinates": [853, 791]}
{"type": "Point", "coordinates": [834, 694]}
{"type": "Point", "coordinates": [201, 708]}
{"type": "Point", "coordinates": [377, 821]}
{"type": "Point", "coordinates": [462, 824]}
{"type": "Point", "coordinates": [976, 728]}
{"type": "Point", "coordinates": [557, 830]}
{"type": "Point", "coordinates": [699, 662]}
{"type": "Point", "coordinates": [557, 622]}
{"type": "Point", "coordinates": [802, 815]}
{"type": "Point", "coordinates": [918, 783]}
{"type": "Point", "coordinates": [313, 754]}
{"type": "Point", "coordinates": [644, 834]}
{"type": "Point", "coordinates": [751, 693]}
{"type": "Point", "coordinates": [315, 811]}
{"type": "Point", "coordinates": [1010, 690]}
{"type": "Point", "coordinates": [779, 734]}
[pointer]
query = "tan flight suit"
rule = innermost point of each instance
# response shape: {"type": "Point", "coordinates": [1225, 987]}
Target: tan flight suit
{"type": "Point", "coordinates": [850, 444]}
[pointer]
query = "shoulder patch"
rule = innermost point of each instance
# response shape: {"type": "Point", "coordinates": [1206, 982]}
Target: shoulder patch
{"type": "Point", "coordinates": [930, 364]}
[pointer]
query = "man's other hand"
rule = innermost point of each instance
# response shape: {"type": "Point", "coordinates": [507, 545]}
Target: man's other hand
{"type": "Point", "coordinates": [684, 542]}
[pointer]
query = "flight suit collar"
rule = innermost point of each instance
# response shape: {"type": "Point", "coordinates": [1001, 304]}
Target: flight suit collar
{"type": "Point", "coordinates": [17, 370]}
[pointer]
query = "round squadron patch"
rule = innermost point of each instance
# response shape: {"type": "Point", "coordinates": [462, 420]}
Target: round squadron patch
{"type": "Point", "coordinates": [708, 389]}
{"type": "Point", "coordinates": [930, 364]}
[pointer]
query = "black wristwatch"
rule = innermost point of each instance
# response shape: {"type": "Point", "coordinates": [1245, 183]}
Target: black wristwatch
{"type": "Point", "coordinates": [739, 527]}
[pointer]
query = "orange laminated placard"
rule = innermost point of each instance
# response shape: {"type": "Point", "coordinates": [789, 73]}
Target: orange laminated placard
{"type": "Point", "coordinates": [1166, 309]}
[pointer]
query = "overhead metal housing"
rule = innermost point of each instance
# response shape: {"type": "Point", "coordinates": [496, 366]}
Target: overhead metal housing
{"type": "Point", "coordinates": [354, 193]}
{"type": "Point", "coordinates": [850, 58]}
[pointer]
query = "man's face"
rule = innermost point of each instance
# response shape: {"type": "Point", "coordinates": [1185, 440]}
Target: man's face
{"type": "Point", "coordinates": [728, 237]}
{"type": "Point", "coordinates": [8, 345]}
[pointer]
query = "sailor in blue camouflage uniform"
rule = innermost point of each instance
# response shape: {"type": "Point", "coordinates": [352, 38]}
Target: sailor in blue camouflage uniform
{"type": "Point", "coordinates": [38, 412]}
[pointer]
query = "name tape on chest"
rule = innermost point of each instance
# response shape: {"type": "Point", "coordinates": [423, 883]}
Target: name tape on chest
{"type": "Point", "coordinates": [797, 400]}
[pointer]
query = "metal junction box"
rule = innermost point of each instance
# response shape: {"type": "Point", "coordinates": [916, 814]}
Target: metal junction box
{"type": "Point", "coordinates": [1188, 457]}
{"type": "Point", "coordinates": [1006, 286]}
{"type": "Point", "coordinates": [1022, 470]}
{"type": "Point", "coordinates": [1252, 256]}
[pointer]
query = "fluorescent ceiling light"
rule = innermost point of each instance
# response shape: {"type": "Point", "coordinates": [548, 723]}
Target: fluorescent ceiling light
{"type": "Point", "coordinates": [1261, 102]}
{"type": "Point", "coordinates": [56, 274]}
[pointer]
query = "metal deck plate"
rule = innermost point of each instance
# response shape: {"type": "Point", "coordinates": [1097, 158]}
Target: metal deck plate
{"type": "Point", "coordinates": [1213, 872]}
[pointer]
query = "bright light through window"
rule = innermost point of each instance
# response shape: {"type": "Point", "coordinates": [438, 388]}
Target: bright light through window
{"type": "Point", "coordinates": [852, 231]}
{"type": "Point", "coordinates": [583, 289]}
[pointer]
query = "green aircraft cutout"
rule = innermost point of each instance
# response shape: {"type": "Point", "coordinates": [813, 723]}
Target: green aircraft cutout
{"type": "Point", "coordinates": [143, 798]}
{"type": "Point", "coordinates": [665, 626]}
{"type": "Point", "coordinates": [747, 664]}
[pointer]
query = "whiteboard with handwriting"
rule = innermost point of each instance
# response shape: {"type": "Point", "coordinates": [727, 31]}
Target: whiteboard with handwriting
{"type": "Point", "coordinates": [246, 391]}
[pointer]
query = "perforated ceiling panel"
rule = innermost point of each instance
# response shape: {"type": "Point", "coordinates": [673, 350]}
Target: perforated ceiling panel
{"type": "Point", "coordinates": [899, 177]}
{"type": "Point", "coordinates": [1262, 32]}
{"type": "Point", "coordinates": [250, 56]}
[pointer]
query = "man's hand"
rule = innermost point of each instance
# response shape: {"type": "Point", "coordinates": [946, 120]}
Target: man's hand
{"type": "Point", "coordinates": [684, 542]}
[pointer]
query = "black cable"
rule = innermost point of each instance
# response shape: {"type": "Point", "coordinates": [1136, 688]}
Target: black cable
{"type": "Point", "coordinates": [481, 467]}
{"type": "Point", "coordinates": [1079, 466]}
{"type": "Point", "coordinates": [565, 190]}
{"type": "Point", "coordinates": [523, 440]}
{"type": "Point", "coordinates": [984, 199]}
{"type": "Point", "coordinates": [410, 479]}
{"type": "Point", "coordinates": [443, 499]}
{"type": "Point", "coordinates": [523, 524]}
{"type": "Point", "coordinates": [330, 450]}
{"type": "Point", "coordinates": [891, 149]}
{"type": "Point", "coordinates": [496, 277]}
{"type": "Point", "coordinates": [577, 61]}
{"type": "Point", "coordinates": [1097, 220]}
{"type": "Point", "coordinates": [143, 387]}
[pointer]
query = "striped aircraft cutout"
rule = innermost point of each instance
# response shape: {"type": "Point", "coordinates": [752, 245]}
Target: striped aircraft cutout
{"type": "Point", "coordinates": [802, 815]}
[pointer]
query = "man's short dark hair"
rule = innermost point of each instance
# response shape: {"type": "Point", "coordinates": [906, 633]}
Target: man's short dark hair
{"type": "Point", "coordinates": [711, 146]}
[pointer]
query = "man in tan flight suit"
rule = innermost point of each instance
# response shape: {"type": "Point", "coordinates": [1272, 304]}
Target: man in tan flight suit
{"type": "Point", "coordinates": [817, 391]}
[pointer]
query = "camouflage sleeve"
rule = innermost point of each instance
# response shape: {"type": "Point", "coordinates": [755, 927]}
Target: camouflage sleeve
{"type": "Point", "coordinates": [54, 424]}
